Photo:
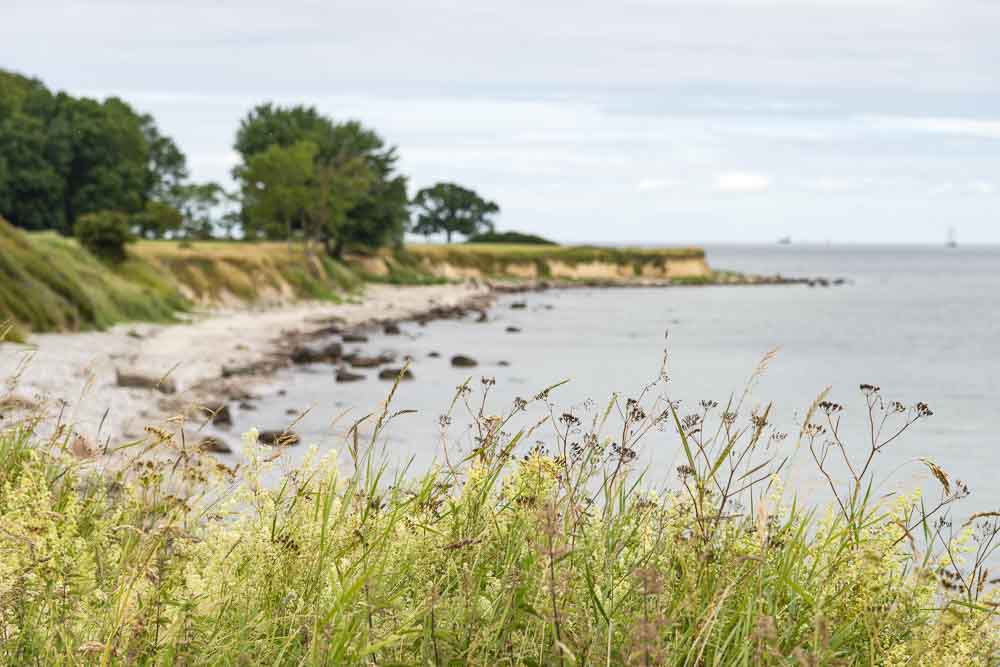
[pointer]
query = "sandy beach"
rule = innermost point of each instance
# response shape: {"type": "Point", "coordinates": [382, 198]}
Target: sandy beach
{"type": "Point", "coordinates": [76, 374]}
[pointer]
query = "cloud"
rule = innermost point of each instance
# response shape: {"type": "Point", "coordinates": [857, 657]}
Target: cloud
{"type": "Point", "coordinates": [974, 188]}
{"type": "Point", "coordinates": [977, 127]}
{"type": "Point", "coordinates": [651, 184]}
{"type": "Point", "coordinates": [742, 182]}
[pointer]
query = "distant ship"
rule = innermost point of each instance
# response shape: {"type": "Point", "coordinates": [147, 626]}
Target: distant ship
{"type": "Point", "coordinates": [785, 240]}
{"type": "Point", "coordinates": [952, 238]}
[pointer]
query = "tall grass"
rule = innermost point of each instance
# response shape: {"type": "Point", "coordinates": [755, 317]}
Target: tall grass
{"type": "Point", "coordinates": [50, 283]}
{"type": "Point", "coordinates": [540, 545]}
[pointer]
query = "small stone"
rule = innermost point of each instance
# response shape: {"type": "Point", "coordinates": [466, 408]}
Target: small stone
{"type": "Point", "coordinates": [218, 413]}
{"type": "Point", "coordinates": [354, 338]}
{"type": "Point", "coordinates": [513, 330]}
{"type": "Point", "coordinates": [215, 445]}
{"type": "Point", "coordinates": [135, 380]}
{"type": "Point", "coordinates": [278, 438]}
{"type": "Point", "coordinates": [305, 354]}
{"type": "Point", "coordinates": [393, 373]}
{"type": "Point", "coordinates": [518, 305]}
{"type": "Point", "coordinates": [434, 355]}
{"type": "Point", "coordinates": [344, 375]}
{"type": "Point", "coordinates": [359, 361]}
{"type": "Point", "coordinates": [391, 329]}
{"type": "Point", "coordinates": [462, 361]}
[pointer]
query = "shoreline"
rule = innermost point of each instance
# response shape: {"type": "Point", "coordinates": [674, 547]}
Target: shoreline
{"type": "Point", "coordinates": [108, 386]}
{"type": "Point", "coordinates": [177, 369]}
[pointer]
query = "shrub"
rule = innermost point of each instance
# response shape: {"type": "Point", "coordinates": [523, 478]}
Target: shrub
{"type": "Point", "coordinates": [104, 234]}
{"type": "Point", "coordinates": [523, 554]}
{"type": "Point", "coordinates": [509, 237]}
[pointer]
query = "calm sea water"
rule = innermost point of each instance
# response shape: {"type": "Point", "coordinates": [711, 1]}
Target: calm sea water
{"type": "Point", "coordinates": [921, 322]}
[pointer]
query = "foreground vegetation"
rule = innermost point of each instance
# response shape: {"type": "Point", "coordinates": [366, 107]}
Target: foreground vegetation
{"type": "Point", "coordinates": [539, 546]}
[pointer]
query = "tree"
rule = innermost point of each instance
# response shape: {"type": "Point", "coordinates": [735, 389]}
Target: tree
{"type": "Point", "coordinates": [199, 205]}
{"type": "Point", "coordinates": [356, 198]}
{"type": "Point", "coordinates": [106, 155]}
{"type": "Point", "coordinates": [450, 208]}
{"type": "Point", "coordinates": [268, 125]}
{"type": "Point", "coordinates": [287, 194]}
{"type": "Point", "coordinates": [65, 156]}
{"type": "Point", "coordinates": [167, 169]}
{"type": "Point", "coordinates": [276, 186]}
{"type": "Point", "coordinates": [157, 220]}
{"type": "Point", "coordinates": [337, 191]}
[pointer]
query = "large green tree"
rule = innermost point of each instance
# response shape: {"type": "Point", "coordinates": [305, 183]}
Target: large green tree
{"type": "Point", "coordinates": [452, 209]}
{"type": "Point", "coordinates": [354, 195]}
{"type": "Point", "coordinates": [288, 193]}
{"type": "Point", "coordinates": [63, 156]}
{"type": "Point", "coordinates": [276, 184]}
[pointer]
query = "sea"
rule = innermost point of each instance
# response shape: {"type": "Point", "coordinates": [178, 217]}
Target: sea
{"type": "Point", "coordinates": [922, 323]}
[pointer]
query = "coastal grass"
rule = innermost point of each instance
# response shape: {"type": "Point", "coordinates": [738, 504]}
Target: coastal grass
{"type": "Point", "coordinates": [582, 253]}
{"type": "Point", "coordinates": [540, 545]}
{"type": "Point", "coordinates": [50, 283]}
{"type": "Point", "coordinates": [215, 270]}
{"type": "Point", "coordinates": [494, 258]}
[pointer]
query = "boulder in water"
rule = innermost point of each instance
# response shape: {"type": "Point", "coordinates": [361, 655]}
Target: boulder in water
{"type": "Point", "coordinates": [462, 361]}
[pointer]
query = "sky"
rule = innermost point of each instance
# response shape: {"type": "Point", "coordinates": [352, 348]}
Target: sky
{"type": "Point", "coordinates": [660, 122]}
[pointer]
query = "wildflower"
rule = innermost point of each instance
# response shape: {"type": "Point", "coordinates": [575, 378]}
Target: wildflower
{"type": "Point", "coordinates": [813, 430]}
{"type": "Point", "coordinates": [633, 411]}
{"type": "Point", "coordinates": [830, 407]}
{"type": "Point", "coordinates": [690, 423]}
{"type": "Point", "coordinates": [569, 419]}
{"type": "Point", "coordinates": [624, 453]}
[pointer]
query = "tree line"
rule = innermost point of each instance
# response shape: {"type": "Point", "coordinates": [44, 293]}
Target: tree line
{"type": "Point", "coordinates": [101, 168]}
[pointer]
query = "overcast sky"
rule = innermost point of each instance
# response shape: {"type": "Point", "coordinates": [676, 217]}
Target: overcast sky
{"type": "Point", "coordinates": [660, 121]}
